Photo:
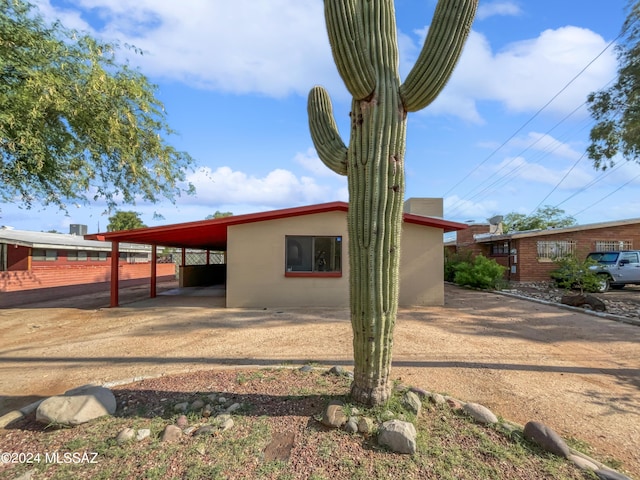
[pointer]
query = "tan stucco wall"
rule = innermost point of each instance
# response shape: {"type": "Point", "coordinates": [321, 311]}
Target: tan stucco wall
{"type": "Point", "coordinates": [421, 266]}
{"type": "Point", "coordinates": [256, 264]}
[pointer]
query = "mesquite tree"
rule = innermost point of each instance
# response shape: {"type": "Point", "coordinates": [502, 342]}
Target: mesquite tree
{"type": "Point", "coordinates": [363, 40]}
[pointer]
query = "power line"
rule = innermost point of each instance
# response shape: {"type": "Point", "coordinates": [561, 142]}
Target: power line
{"type": "Point", "coordinates": [592, 183]}
{"type": "Point", "coordinates": [559, 183]}
{"type": "Point", "coordinates": [512, 172]}
{"type": "Point", "coordinates": [606, 196]}
{"type": "Point", "coordinates": [535, 115]}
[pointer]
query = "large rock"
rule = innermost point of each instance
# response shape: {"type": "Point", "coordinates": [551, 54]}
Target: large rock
{"type": "Point", "coordinates": [89, 404]}
{"type": "Point", "coordinates": [480, 413]}
{"type": "Point", "coordinates": [398, 436]}
{"type": "Point", "coordinates": [546, 438]}
{"type": "Point", "coordinates": [334, 415]}
{"type": "Point", "coordinates": [584, 301]}
{"type": "Point", "coordinates": [606, 474]}
{"type": "Point", "coordinates": [171, 433]}
{"type": "Point", "coordinates": [412, 402]}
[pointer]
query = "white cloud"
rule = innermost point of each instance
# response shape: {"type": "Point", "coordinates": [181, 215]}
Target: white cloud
{"type": "Point", "coordinates": [548, 144]}
{"type": "Point", "coordinates": [311, 162]}
{"type": "Point", "coordinates": [279, 188]}
{"type": "Point", "coordinates": [525, 75]}
{"type": "Point", "coordinates": [463, 210]}
{"type": "Point", "coordinates": [498, 8]}
{"type": "Point", "coordinates": [272, 48]}
{"type": "Point", "coordinates": [512, 169]}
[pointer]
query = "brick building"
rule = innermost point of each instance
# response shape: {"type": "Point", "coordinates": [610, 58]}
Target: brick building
{"type": "Point", "coordinates": [529, 256]}
{"type": "Point", "coordinates": [50, 264]}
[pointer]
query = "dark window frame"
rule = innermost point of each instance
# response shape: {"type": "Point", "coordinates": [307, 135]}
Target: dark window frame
{"type": "Point", "coordinates": [311, 258]}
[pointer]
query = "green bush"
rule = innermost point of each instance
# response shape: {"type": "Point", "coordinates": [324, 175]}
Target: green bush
{"type": "Point", "coordinates": [575, 273]}
{"type": "Point", "coordinates": [451, 262]}
{"type": "Point", "coordinates": [482, 273]}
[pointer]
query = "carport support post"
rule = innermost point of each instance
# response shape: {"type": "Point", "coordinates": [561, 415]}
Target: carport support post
{"type": "Point", "coordinates": [115, 258]}
{"type": "Point", "coordinates": [154, 279]}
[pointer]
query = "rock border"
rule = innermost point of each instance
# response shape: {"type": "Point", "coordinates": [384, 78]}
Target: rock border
{"type": "Point", "coordinates": [533, 431]}
{"type": "Point", "coordinates": [604, 315]}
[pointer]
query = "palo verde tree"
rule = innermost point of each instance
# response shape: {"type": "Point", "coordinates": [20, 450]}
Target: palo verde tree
{"type": "Point", "coordinates": [75, 124]}
{"type": "Point", "coordinates": [363, 40]}
{"type": "Point", "coordinates": [616, 109]}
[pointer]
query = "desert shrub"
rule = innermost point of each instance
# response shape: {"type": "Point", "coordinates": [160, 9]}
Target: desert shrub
{"type": "Point", "coordinates": [575, 273]}
{"type": "Point", "coordinates": [451, 262]}
{"type": "Point", "coordinates": [481, 273]}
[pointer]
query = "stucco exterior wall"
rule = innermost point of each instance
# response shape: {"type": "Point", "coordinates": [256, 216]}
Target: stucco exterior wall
{"type": "Point", "coordinates": [256, 265]}
{"type": "Point", "coordinates": [421, 266]}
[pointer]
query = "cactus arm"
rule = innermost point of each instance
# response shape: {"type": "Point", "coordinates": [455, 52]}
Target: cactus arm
{"type": "Point", "coordinates": [324, 132]}
{"type": "Point", "coordinates": [447, 35]}
{"type": "Point", "coordinates": [348, 45]}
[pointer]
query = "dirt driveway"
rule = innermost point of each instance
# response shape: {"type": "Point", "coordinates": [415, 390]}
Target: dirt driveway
{"type": "Point", "coordinates": [526, 361]}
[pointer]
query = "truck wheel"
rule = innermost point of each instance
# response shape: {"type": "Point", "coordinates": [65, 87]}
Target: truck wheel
{"type": "Point", "coordinates": [603, 283]}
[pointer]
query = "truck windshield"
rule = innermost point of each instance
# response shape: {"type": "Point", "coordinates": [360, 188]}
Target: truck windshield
{"type": "Point", "coordinates": [609, 257]}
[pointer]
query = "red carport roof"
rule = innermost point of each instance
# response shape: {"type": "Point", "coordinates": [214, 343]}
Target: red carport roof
{"type": "Point", "coordinates": [212, 234]}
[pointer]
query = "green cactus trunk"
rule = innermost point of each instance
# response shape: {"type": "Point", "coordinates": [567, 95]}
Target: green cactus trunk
{"type": "Point", "coordinates": [376, 186]}
{"type": "Point", "coordinates": [362, 34]}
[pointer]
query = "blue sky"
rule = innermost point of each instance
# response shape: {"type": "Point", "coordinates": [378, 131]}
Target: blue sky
{"type": "Point", "coordinates": [234, 78]}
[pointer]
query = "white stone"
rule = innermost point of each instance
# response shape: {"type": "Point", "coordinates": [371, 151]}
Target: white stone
{"type": "Point", "coordinates": [93, 403]}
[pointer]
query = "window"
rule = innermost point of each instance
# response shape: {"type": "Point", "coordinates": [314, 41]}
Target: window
{"type": "Point", "coordinates": [42, 255]}
{"type": "Point", "coordinates": [313, 255]}
{"type": "Point", "coordinates": [613, 245]}
{"type": "Point", "coordinates": [79, 256]}
{"type": "Point", "coordinates": [630, 257]}
{"type": "Point", "coordinates": [98, 256]}
{"type": "Point", "coordinates": [500, 248]}
{"type": "Point", "coordinates": [551, 250]}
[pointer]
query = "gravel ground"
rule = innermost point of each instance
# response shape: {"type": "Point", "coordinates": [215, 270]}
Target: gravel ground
{"type": "Point", "coordinates": [577, 373]}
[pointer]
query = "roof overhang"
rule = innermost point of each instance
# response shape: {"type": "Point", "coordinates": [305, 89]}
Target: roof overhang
{"type": "Point", "coordinates": [488, 238]}
{"type": "Point", "coordinates": [212, 234]}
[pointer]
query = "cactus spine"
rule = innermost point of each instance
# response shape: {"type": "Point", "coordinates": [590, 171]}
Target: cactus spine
{"type": "Point", "coordinates": [363, 40]}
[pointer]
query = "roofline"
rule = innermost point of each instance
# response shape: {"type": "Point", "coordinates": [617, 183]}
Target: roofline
{"type": "Point", "coordinates": [446, 225]}
{"type": "Point", "coordinates": [554, 231]}
{"type": "Point", "coordinates": [230, 220]}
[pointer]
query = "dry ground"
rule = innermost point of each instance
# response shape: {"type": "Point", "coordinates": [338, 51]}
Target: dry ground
{"type": "Point", "coordinates": [526, 361]}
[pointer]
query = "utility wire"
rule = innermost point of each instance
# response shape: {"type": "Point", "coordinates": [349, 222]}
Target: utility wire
{"type": "Point", "coordinates": [606, 196]}
{"type": "Point", "coordinates": [535, 115]}
{"type": "Point", "coordinates": [559, 183]}
{"type": "Point", "coordinates": [512, 172]}
{"type": "Point", "coordinates": [592, 183]}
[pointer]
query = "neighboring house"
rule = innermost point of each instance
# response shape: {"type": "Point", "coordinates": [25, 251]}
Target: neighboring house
{"type": "Point", "coordinates": [33, 261]}
{"type": "Point", "coordinates": [298, 257]}
{"type": "Point", "coordinates": [529, 256]}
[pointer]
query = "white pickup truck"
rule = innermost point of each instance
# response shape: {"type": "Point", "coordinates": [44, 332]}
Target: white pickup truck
{"type": "Point", "coordinates": [616, 268]}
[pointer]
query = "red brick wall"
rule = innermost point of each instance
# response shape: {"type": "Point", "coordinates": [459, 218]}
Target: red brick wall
{"type": "Point", "coordinates": [529, 268]}
{"type": "Point", "coordinates": [46, 276]}
{"type": "Point", "coordinates": [466, 243]}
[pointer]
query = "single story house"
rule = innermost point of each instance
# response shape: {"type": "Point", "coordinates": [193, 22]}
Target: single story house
{"type": "Point", "coordinates": [298, 257]}
{"type": "Point", "coordinates": [529, 255]}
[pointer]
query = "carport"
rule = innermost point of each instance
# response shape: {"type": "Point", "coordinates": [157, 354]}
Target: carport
{"type": "Point", "coordinates": [206, 235]}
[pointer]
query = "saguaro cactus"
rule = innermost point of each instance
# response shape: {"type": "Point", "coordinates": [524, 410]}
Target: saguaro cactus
{"type": "Point", "coordinates": [363, 40]}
